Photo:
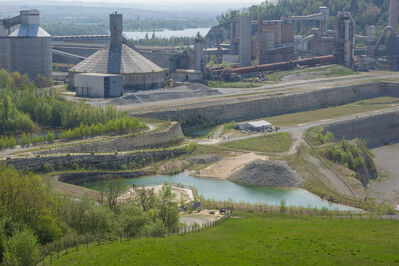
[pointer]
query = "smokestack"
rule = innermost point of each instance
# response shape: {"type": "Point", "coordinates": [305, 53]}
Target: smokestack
{"type": "Point", "coordinates": [393, 15]}
{"type": "Point", "coordinates": [116, 28]}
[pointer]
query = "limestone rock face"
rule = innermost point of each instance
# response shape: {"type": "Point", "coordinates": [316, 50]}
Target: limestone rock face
{"type": "Point", "coordinates": [267, 174]}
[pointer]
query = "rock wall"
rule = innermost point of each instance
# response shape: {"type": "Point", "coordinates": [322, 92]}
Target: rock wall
{"type": "Point", "coordinates": [377, 130]}
{"type": "Point", "coordinates": [159, 139]}
{"type": "Point", "coordinates": [103, 162]}
{"type": "Point", "coordinates": [87, 177]}
{"type": "Point", "coordinates": [224, 111]}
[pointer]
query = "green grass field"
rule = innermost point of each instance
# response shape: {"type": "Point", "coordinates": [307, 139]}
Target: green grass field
{"type": "Point", "coordinates": [258, 239]}
{"type": "Point", "coordinates": [333, 112]}
{"type": "Point", "coordinates": [278, 142]}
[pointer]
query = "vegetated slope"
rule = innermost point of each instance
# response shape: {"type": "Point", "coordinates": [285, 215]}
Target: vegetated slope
{"type": "Point", "coordinates": [279, 142]}
{"type": "Point", "coordinates": [258, 239]}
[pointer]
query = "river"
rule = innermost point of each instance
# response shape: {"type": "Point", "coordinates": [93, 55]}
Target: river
{"type": "Point", "coordinates": [224, 190]}
{"type": "Point", "coordinates": [136, 35]}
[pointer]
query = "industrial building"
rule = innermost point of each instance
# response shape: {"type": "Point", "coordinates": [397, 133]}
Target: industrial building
{"type": "Point", "coordinates": [27, 49]}
{"type": "Point", "coordinates": [190, 75]}
{"type": "Point", "coordinates": [254, 126]}
{"type": "Point", "coordinates": [94, 85]}
{"type": "Point", "coordinates": [138, 72]}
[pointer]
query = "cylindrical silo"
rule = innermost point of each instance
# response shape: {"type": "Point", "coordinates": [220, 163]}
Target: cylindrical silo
{"type": "Point", "coordinates": [30, 47]}
{"type": "Point", "coordinates": [393, 14]}
{"type": "Point", "coordinates": [371, 33]}
{"type": "Point", "coordinates": [199, 46]}
{"type": "Point", "coordinates": [245, 41]}
{"type": "Point", "coordinates": [4, 53]}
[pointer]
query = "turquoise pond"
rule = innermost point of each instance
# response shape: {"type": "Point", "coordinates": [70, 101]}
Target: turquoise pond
{"type": "Point", "coordinates": [197, 133]}
{"type": "Point", "coordinates": [224, 190]}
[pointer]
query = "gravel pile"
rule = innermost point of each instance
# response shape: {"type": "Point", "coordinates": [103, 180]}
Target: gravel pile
{"type": "Point", "coordinates": [267, 174]}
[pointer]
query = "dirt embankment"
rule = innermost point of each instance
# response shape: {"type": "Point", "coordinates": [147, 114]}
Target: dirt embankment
{"type": "Point", "coordinates": [227, 166]}
{"type": "Point", "coordinates": [267, 174]}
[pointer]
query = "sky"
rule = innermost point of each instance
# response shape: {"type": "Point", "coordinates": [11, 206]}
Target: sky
{"type": "Point", "coordinates": [211, 6]}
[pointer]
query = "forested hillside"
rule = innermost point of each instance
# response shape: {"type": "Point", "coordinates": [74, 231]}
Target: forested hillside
{"type": "Point", "coordinates": [365, 12]}
{"type": "Point", "coordinates": [24, 108]}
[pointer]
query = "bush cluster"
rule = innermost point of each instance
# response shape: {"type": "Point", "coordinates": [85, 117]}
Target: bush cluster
{"type": "Point", "coordinates": [353, 155]}
{"type": "Point", "coordinates": [33, 217]}
{"type": "Point", "coordinates": [120, 125]}
{"type": "Point", "coordinates": [23, 104]}
{"type": "Point", "coordinates": [6, 142]}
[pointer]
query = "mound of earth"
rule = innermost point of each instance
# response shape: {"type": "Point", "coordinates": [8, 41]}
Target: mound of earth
{"type": "Point", "coordinates": [267, 174]}
{"type": "Point", "coordinates": [227, 166]}
{"type": "Point", "coordinates": [204, 159]}
{"type": "Point", "coordinates": [173, 167]}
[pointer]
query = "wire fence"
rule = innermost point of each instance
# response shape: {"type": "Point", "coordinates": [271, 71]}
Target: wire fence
{"type": "Point", "coordinates": [75, 243]}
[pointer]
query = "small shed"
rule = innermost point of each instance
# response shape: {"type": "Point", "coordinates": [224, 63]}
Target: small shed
{"type": "Point", "coordinates": [260, 125]}
{"type": "Point", "coordinates": [187, 75]}
{"type": "Point", "coordinates": [96, 85]}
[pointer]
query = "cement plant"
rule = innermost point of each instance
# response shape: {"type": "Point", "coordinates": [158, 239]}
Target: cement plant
{"type": "Point", "coordinates": [271, 139]}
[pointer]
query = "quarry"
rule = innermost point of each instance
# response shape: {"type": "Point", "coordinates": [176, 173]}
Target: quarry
{"type": "Point", "coordinates": [319, 71]}
{"type": "Point", "coordinates": [276, 130]}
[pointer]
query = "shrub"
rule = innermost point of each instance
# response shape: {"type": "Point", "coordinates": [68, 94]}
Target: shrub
{"type": "Point", "coordinates": [156, 229]}
{"type": "Point", "coordinates": [131, 220]}
{"type": "Point", "coordinates": [21, 249]}
{"type": "Point", "coordinates": [190, 148]}
{"type": "Point", "coordinates": [283, 206]}
{"type": "Point", "coordinates": [50, 136]}
{"type": "Point", "coordinates": [47, 230]}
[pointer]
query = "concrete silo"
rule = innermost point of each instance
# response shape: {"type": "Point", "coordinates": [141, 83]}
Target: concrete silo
{"type": "Point", "coordinates": [30, 47]}
{"type": "Point", "coordinates": [245, 41]}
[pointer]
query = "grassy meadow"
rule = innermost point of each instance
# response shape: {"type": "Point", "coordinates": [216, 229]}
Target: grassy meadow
{"type": "Point", "coordinates": [279, 142]}
{"type": "Point", "coordinates": [257, 239]}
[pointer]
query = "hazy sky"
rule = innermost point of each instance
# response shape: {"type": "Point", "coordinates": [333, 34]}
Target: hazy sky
{"type": "Point", "coordinates": [210, 6]}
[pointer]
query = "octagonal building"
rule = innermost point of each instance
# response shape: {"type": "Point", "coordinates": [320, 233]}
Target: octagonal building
{"type": "Point", "coordinates": [138, 72]}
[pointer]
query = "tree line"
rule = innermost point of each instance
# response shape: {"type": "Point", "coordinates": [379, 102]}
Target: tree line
{"type": "Point", "coordinates": [34, 218]}
{"type": "Point", "coordinates": [365, 12]}
{"type": "Point", "coordinates": [62, 29]}
{"type": "Point", "coordinates": [170, 42]}
{"type": "Point", "coordinates": [25, 107]}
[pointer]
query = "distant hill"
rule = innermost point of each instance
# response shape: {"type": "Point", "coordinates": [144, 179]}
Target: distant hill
{"type": "Point", "coordinates": [365, 12]}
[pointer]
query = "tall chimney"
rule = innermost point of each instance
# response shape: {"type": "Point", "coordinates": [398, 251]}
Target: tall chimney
{"type": "Point", "coordinates": [393, 15]}
{"type": "Point", "coordinates": [116, 28]}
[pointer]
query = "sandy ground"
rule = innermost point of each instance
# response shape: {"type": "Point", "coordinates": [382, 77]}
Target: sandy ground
{"type": "Point", "coordinates": [181, 193]}
{"type": "Point", "coordinates": [386, 188]}
{"type": "Point", "coordinates": [200, 218]}
{"type": "Point", "coordinates": [224, 168]}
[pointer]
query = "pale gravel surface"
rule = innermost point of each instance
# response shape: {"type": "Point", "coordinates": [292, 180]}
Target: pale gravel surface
{"type": "Point", "coordinates": [387, 187]}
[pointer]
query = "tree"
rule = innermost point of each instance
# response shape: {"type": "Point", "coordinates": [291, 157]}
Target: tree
{"type": "Point", "coordinates": [114, 190]}
{"type": "Point", "coordinates": [168, 210]}
{"type": "Point", "coordinates": [145, 198]}
{"type": "Point", "coordinates": [21, 249]}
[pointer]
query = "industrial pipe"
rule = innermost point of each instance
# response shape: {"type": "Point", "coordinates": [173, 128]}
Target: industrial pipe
{"type": "Point", "coordinates": [386, 29]}
{"type": "Point", "coordinates": [328, 59]}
